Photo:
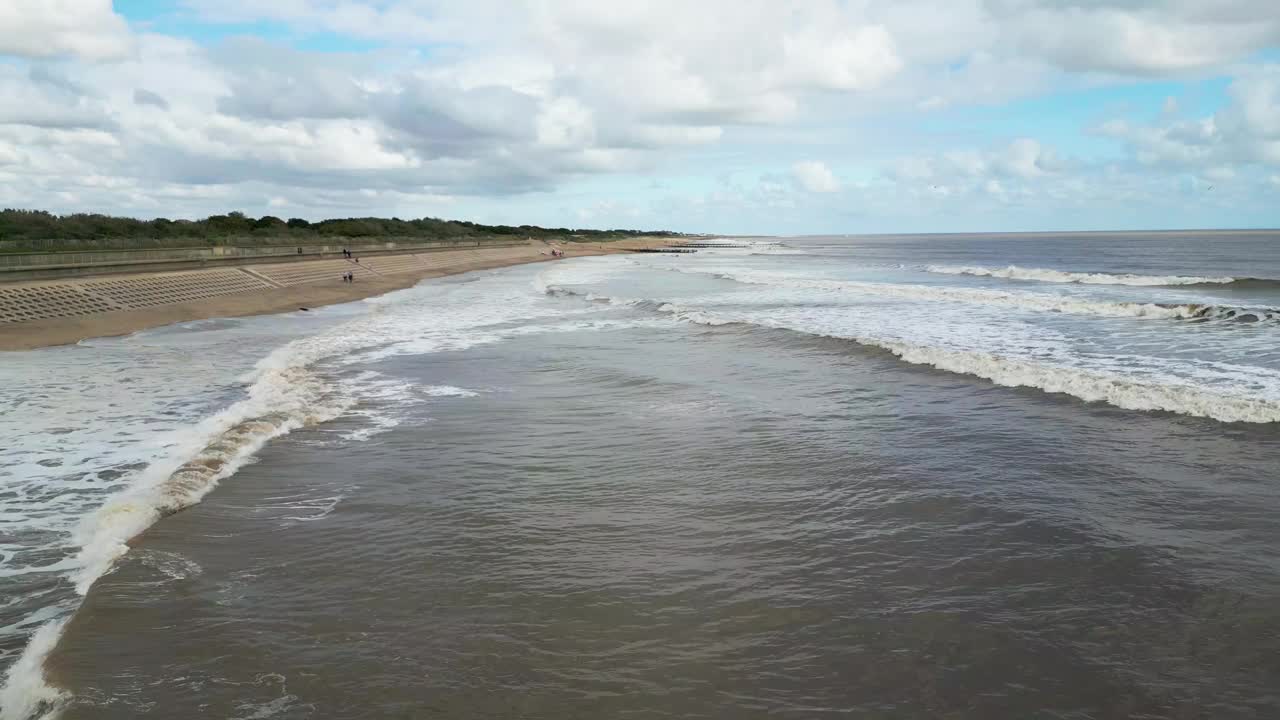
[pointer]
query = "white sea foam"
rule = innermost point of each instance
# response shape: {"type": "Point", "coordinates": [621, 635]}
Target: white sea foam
{"type": "Point", "coordinates": [278, 402]}
{"type": "Point", "coordinates": [1037, 302]}
{"type": "Point", "coordinates": [172, 465]}
{"type": "Point", "coordinates": [582, 270]}
{"type": "Point", "coordinates": [312, 509]}
{"type": "Point", "coordinates": [385, 402]}
{"type": "Point", "coordinates": [180, 466]}
{"type": "Point", "coordinates": [286, 394]}
{"type": "Point", "coordinates": [1013, 272]}
{"type": "Point", "coordinates": [1154, 391]}
{"type": "Point", "coordinates": [448, 391]}
{"type": "Point", "coordinates": [171, 564]}
{"type": "Point", "coordinates": [25, 693]}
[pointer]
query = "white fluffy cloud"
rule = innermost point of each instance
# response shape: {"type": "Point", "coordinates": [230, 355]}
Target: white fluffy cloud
{"type": "Point", "coordinates": [1022, 159]}
{"type": "Point", "coordinates": [815, 177]}
{"type": "Point", "coordinates": [1245, 132]}
{"type": "Point", "coordinates": [500, 97]}
{"type": "Point", "coordinates": [50, 28]}
{"type": "Point", "coordinates": [1151, 38]}
{"type": "Point", "coordinates": [526, 97]}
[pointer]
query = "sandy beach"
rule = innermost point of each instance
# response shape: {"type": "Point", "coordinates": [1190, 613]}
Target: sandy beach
{"type": "Point", "coordinates": [68, 330]}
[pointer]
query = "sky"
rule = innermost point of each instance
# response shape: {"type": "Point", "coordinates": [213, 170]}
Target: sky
{"type": "Point", "coordinates": [717, 116]}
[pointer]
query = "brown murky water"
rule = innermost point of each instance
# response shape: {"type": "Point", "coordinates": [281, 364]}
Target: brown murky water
{"type": "Point", "coordinates": [649, 517]}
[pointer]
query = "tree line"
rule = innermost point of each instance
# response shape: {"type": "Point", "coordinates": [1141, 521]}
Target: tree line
{"type": "Point", "coordinates": [19, 227]}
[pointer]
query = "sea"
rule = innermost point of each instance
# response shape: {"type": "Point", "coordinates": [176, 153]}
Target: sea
{"type": "Point", "coordinates": [963, 476]}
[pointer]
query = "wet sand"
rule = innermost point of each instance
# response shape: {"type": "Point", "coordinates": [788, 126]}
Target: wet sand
{"type": "Point", "coordinates": [69, 330]}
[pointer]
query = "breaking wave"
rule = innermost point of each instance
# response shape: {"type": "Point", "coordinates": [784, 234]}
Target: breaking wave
{"type": "Point", "coordinates": [1024, 301]}
{"type": "Point", "coordinates": [1131, 392]}
{"type": "Point", "coordinates": [1089, 385]}
{"type": "Point", "coordinates": [283, 394]}
{"type": "Point", "coordinates": [280, 400]}
{"type": "Point", "coordinates": [1013, 272]}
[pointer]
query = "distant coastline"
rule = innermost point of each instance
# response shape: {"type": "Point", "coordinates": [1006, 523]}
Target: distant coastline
{"type": "Point", "coordinates": [43, 231]}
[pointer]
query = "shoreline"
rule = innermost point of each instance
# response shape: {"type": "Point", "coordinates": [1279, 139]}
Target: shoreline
{"type": "Point", "coordinates": [35, 334]}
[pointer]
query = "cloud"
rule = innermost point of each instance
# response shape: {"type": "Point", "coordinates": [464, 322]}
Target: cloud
{"type": "Point", "coordinates": [815, 177]}
{"type": "Point", "coordinates": [562, 100]}
{"type": "Point", "coordinates": [496, 98]}
{"type": "Point", "coordinates": [51, 28]}
{"type": "Point", "coordinates": [1118, 36]}
{"type": "Point", "coordinates": [1023, 159]}
{"type": "Point", "coordinates": [608, 210]}
{"type": "Point", "coordinates": [1026, 158]}
{"type": "Point", "coordinates": [146, 97]}
{"type": "Point", "coordinates": [268, 82]}
{"type": "Point", "coordinates": [1245, 132]}
{"type": "Point", "coordinates": [671, 61]}
{"type": "Point", "coordinates": [40, 99]}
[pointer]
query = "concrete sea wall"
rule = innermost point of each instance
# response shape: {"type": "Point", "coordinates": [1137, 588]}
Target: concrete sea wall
{"type": "Point", "coordinates": [79, 263]}
{"type": "Point", "coordinates": [46, 299]}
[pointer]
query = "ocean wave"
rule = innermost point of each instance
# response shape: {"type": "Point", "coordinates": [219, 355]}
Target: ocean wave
{"type": "Point", "coordinates": [560, 291]}
{"type": "Point", "coordinates": [1176, 395]}
{"type": "Point", "coordinates": [280, 400]}
{"type": "Point", "coordinates": [1090, 385]}
{"type": "Point", "coordinates": [25, 693]}
{"type": "Point", "coordinates": [1013, 272]}
{"type": "Point", "coordinates": [283, 394]}
{"type": "Point", "coordinates": [1017, 300]}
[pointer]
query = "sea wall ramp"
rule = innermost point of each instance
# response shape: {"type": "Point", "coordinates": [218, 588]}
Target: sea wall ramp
{"type": "Point", "coordinates": [46, 299]}
{"type": "Point", "coordinates": [79, 263]}
{"type": "Point", "coordinates": [43, 300]}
